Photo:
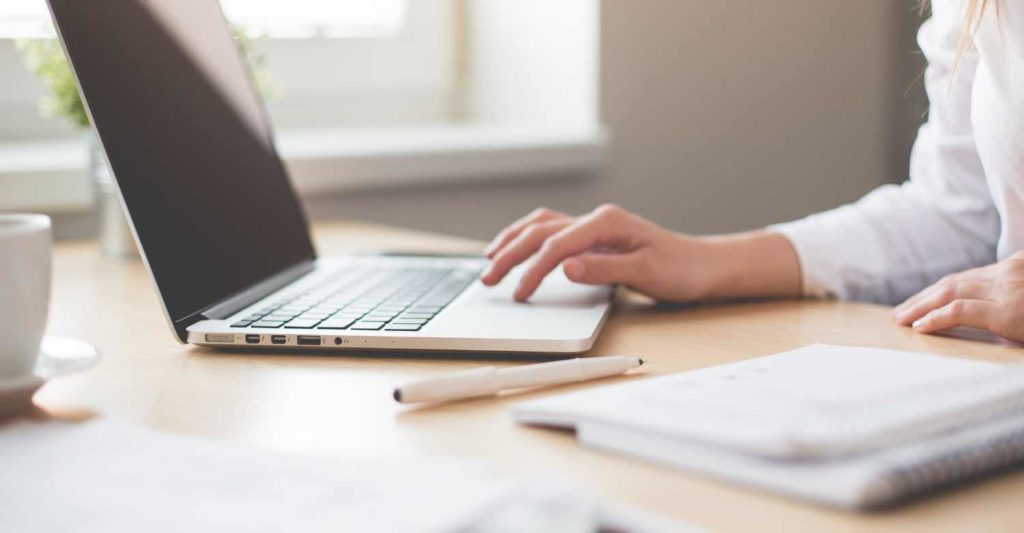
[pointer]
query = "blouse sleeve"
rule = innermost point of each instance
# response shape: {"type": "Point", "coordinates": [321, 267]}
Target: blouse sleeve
{"type": "Point", "coordinates": [900, 238]}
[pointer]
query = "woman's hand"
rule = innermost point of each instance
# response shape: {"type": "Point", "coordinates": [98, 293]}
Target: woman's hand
{"type": "Point", "coordinates": [607, 245]}
{"type": "Point", "coordinates": [990, 297]}
{"type": "Point", "coordinates": [611, 245]}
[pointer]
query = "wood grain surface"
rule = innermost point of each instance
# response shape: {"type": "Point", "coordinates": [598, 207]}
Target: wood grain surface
{"type": "Point", "coordinates": [342, 405]}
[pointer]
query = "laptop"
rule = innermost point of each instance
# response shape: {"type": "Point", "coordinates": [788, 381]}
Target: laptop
{"type": "Point", "coordinates": [222, 231]}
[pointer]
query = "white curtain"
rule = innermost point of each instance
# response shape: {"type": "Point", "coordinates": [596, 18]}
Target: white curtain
{"type": "Point", "coordinates": [274, 18]}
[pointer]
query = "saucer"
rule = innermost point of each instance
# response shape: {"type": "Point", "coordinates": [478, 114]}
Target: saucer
{"type": "Point", "coordinates": [57, 356]}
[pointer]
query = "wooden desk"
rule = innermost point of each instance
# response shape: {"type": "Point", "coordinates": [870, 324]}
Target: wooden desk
{"type": "Point", "coordinates": [343, 405]}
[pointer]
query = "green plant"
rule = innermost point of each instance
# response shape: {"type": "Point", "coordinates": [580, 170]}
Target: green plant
{"type": "Point", "coordinates": [45, 58]}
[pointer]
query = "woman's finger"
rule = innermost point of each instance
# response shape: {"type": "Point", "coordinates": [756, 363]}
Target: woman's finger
{"type": "Point", "coordinates": [602, 227]}
{"type": "Point", "coordinates": [961, 312]}
{"type": "Point", "coordinates": [541, 214]}
{"type": "Point", "coordinates": [525, 244]}
{"type": "Point", "coordinates": [601, 269]}
{"type": "Point", "coordinates": [974, 274]}
{"type": "Point", "coordinates": [941, 294]}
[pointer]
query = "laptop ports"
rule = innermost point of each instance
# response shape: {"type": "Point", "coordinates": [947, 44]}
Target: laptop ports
{"type": "Point", "coordinates": [278, 339]}
{"type": "Point", "coordinates": [252, 338]}
{"type": "Point", "coordinates": [308, 340]}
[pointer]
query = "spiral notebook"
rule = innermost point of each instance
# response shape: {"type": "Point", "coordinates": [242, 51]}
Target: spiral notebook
{"type": "Point", "coordinates": [846, 426]}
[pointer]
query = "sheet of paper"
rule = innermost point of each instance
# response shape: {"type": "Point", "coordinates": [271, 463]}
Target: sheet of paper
{"type": "Point", "coordinates": [108, 476]}
{"type": "Point", "coordinates": [103, 475]}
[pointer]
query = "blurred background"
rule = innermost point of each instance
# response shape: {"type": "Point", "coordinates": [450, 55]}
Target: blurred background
{"type": "Point", "coordinates": [461, 115]}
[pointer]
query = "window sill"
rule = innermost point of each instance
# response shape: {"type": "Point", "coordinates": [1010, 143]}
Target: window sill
{"type": "Point", "coordinates": [49, 175]}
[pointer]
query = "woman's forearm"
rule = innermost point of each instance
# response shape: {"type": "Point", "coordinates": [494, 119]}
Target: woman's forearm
{"type": "Point", "coordinates": [611, 245]}
{"type": "Point", "coordinates": [752, 264]}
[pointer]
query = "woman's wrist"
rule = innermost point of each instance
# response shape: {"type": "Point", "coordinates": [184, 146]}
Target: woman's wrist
{"type": "Point", "coordinates": [751, 264]}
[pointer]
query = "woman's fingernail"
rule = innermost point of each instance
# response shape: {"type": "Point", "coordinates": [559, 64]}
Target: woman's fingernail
{"type": "Point", "coordinates": [917, 323]}
{"type": "Point", "coordinates": [575, 269]}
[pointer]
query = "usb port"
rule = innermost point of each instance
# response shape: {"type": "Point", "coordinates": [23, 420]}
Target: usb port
{"type": "Point", "coordinates": [309, 340]}
{"type": "Point", "coordinates": [252, 339]}
{"type": "Point", "coordinates": [277, 339]}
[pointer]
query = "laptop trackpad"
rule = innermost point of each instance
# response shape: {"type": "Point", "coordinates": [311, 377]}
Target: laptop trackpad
{"type": "Point", "coordinates": [557, 291]}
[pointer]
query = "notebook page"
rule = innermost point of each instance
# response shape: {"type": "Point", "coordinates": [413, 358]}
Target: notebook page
{"type": "Point", "coordinates": [754, 406]}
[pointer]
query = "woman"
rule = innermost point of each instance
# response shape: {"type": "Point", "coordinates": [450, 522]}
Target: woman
{"type": "Point", "coordinates": [948, 244]}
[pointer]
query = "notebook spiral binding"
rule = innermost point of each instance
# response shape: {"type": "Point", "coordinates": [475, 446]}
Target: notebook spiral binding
{"type": "Point", "coordinates": [995, 450]}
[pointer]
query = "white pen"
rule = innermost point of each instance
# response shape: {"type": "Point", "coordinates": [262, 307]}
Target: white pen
{"type": "Point", "coordinates": [490, 380]}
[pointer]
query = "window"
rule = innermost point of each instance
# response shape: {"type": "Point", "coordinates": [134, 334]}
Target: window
{"type": "Point", "coordinates": [386, 58]}
{"type": "Point", "coordinates": [297, 20]}
{"type": "Point", "coordinates": [317, 18]}
{"type": "Point", "coordinates": [366, 92]}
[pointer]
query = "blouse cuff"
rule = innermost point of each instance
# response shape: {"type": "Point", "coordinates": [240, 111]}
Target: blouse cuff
{"type": "Point", "coordinates": [815, 253]}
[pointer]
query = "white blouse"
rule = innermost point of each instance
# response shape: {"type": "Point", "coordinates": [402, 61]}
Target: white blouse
{"type": "Point", "coordinates": [963, 206]}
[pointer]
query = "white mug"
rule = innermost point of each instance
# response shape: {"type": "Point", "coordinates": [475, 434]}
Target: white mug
{"type": "Point", "coordinates": [25, 271]}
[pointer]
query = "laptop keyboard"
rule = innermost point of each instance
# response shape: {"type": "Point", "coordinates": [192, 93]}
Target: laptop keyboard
{"type": "Point", "coordinates": [390, 299]}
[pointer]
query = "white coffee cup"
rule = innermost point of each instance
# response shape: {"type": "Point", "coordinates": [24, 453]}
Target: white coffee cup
{"type": "Point", "coordinates": [25, 272]}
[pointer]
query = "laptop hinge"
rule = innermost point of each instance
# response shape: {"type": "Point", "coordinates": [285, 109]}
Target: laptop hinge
{"type": "Point", "coordinates": [247, 297]}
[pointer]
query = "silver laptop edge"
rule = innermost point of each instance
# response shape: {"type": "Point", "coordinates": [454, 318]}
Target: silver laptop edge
{"type": "Point", "coordinates": [565, 318]}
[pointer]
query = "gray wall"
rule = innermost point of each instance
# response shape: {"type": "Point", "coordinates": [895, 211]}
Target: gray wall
{"type": "Point", "coordinates": [724, 115]}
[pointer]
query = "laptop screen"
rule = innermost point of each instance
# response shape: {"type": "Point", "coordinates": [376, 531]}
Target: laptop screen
{"type": "Point", "coordinates": [189, 144]}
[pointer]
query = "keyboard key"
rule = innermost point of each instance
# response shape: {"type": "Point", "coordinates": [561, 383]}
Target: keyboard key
{"type": "Point", "coordinates": [417, 315]}
{"type": "Point", "coordinates": [367, 325]}
{"type": "Point", "coordinates": [268, 324]}
{"type": "Point", "coordinates": [314, 314]}
{"type": "Point", "coordinates": [336, 323]}
{"type": "Point", "coordinates": [403, 327]}
{"type": "Point", "coordinates": [302, 323]}
{"type": "Point", "coordinates": [413, 318]}
{"type": "Point", "coordinates": [420, 321]}
{"type": "Point", "coordinates": [242, 324]}
{"type": "Point", "coordinates": [425, 309]}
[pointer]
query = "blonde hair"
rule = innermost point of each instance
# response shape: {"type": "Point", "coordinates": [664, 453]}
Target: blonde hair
{"type": "Point", "coordinates": [972, 20]}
